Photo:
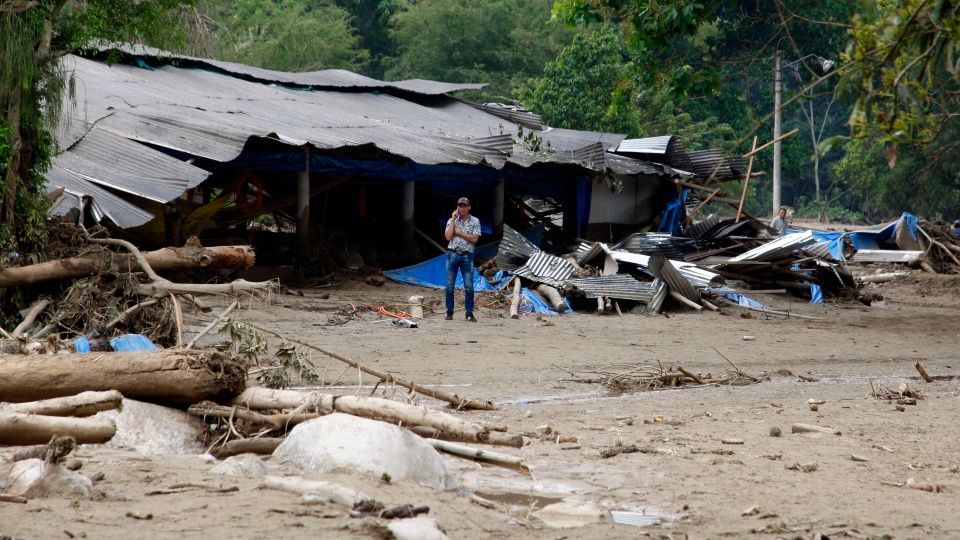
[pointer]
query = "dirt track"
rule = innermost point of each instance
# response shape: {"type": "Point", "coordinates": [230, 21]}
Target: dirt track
{"type": "Point", "coordinates": [686, 474]}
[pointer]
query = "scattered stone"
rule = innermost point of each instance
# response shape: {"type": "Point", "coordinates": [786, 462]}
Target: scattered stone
{"type": "Point", "coordinates": [803, 467]}
{"type": "Point", "coordinates": [33, 478]}
{"type": "Point", "coordinates": [140, 515]}
{"type": "Point", "coordinates": [775, 432]}
{"type": "Point", "coordinates": [752, 511]}
{"type": "Point", "coordinates": [855, 457]}
{"type": "Point", "coordinates": [732, 441]}
{"type": "Point", "coordinates": [814, 408]}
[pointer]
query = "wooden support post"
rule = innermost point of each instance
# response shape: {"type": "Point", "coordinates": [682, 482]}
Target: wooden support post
{"type": "Point", "coordinates": [746, 180]}
{"type": "Point", "coordinates": [498, 198]}
{"type": "Point", "coordinates": [515, 302]}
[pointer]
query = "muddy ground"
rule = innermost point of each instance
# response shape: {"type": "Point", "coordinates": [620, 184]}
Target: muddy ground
{"type": "Point", "coordinates": [686, 474]}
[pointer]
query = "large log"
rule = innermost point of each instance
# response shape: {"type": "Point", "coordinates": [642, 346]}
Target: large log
{"type": "Point", "coordinates": [189, 256]}
{"type": "Point", "coordinates": [18, 429]}
{"type": "Point", "coordinates": [82, 404]}
{"type": "Point", "coordinates": [377, 408]}
{"type": "Point", "coordinates": [170, 377]}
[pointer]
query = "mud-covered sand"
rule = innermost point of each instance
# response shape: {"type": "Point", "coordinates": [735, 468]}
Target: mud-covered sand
{"type": "Point", "coordinates": [686, 474]}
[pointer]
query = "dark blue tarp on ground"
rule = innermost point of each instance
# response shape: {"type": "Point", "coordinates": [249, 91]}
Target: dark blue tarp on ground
{"type": "Point", "coordinates": [531, 302]}
{"type": "Point", "coordinates": [433, 273]}
{"type": "Point", "coordinates": [834, 242]}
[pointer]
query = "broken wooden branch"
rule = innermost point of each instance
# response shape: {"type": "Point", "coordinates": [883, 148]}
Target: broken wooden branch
{"type": "Point", "coordinates": [258, 445]}
{"type": "Point", "coordinates": [371, 407]}
{"type": "Point", "coordinates": [810, 428]}
{"type": "Point", "coordinates": [17, 429]}
{"type": "Point", "coordinates": [453, 399]}
{"type": "Point", "coordinates": [478, 454]}
{"type": "Point", "coordinates": [685, 301]}
{"type": "Point", "coordinates": [746, 180]}
{"type": "Point", "coordinates": [213, 323]}
{"type": "Point", "coordinates": [168, 376]}
{"type": "Point", "coordinates": [273, 421]}
{"type": "Point", "coordinates": [82, 404]}
{"type": "Point", "coordinates": [515, 301]}
{"type": "Point", "coordinates": [335, 492]}
{"type": "Point", "coordinates": [923, 372]}
{"type": "Point", "coordinates": [35, 310]}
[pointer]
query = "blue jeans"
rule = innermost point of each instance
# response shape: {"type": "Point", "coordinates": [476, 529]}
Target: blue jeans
{"type": "Point", "coordinates": [463, 263]}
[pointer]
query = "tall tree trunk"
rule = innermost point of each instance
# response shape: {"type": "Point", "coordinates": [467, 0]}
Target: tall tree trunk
{"type": "Point", "coordinates": [11, 180]}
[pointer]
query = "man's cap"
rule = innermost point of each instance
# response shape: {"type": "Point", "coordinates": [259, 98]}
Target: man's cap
{"type": "Point", "coordinates": [463, 200]}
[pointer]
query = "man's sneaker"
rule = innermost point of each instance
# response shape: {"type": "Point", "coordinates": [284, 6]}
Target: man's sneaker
{"type": "Point", "coordinates": [471, 318]}
{"type": "Point", "coordinates": [449, 316]}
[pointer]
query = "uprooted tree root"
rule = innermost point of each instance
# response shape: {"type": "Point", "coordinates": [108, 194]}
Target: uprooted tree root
{"type": "Point", "coordinates": [644, 378]}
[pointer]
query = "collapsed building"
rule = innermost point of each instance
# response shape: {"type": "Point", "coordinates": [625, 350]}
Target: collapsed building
{"type": "Point", "coordinates": [162, 147]}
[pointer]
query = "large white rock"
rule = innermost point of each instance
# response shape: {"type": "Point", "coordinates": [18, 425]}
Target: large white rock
{"type": "Point", "coordinates": [418, 528]}
{"type": "Point", "coordinates": [341, 442]}
{"type": "Point", "coordinates": [34, 478]}
{"type": "Point", "coordinates": [244, 465]}
{"type": "Point", "coordinates": [155, 429]}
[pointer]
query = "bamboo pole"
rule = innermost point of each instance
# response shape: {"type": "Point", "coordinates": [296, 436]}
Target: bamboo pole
{"type": "Point", "coordinates": [82, 404]}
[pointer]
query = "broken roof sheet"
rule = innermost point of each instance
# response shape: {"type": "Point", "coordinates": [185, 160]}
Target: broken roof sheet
{"type": "Point", "coordinates": [327, 78]}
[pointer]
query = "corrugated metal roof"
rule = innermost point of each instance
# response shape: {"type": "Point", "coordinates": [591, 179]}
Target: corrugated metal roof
{"type": "Point", "coordinates": [103, 204]}
{"type": "Point", "coordinates": [207, 114]}
{"type": "Point", "coordinates": [697, 276]}
{"type": "Point", "coordinates": [572, 139]}
{"type": "Point", "coordinates": [697, 230]}
{"type": "Point", "coordinates": [677, 282]}
{"type": "Point", "coordinates": [622, 286]}
{"type": "Point", "coordinates": [545, 268]}
{"type": "Point", "coordinates": [327, 78]}
{"type": "Point", "coordinates": [707, 163]}
{"type": "Point", "coordinates": [667, 149]}
{"type": "Point", "coordinates": [514, 249]}
{"type": "Point", "coordinates": [779, 248]}
{"type": "Point", "coordinates": [650, 243]}
{"type": "Point", "coordinates": [514, 113]}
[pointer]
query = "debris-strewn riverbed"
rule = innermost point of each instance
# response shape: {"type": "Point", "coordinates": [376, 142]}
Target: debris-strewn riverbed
{"type": "Point", "coordinates": [702, 461]}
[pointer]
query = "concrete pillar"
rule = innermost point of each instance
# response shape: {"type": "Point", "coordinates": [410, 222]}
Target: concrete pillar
{"type": "Point", "coordinates": [498, 200]}
{"type": "Point", "coordinates": [303, 203]}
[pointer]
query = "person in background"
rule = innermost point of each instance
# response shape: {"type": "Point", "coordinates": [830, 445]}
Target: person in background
{"type": "Point", "coordinates": [956, 228]}
{"type": "Point", "coordinates": [462, 233]}
{"type": "Point", "coordinates": [780, 222]}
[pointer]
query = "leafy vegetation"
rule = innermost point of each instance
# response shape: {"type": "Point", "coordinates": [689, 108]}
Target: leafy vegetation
{"type": "Point", "coordinates": [879, 133]}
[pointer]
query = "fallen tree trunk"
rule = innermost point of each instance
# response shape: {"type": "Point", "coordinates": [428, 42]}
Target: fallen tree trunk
{"type": "Point", "coordinates": [377, 408]}
{"type": "Point", "coordinates": [82, 404]}
{"type": "Point", "coordinates": [552, 296]}
{"type": "Point", "coordinates": [18, 429]}
{"type": "Point", "coordinates": [168, 377]}
{"type": "Point", "coordinates": [189, 256]}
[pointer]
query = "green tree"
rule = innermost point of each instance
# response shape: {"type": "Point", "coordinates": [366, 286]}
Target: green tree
{"type": "Point", "coordinates": [500, 42]}
{"type": "Point", "coordinates": [285, 35]}
{"type": "Point", "coordinates": [904, 79]}
{"type": "Point", "coordinates": [34, 36]}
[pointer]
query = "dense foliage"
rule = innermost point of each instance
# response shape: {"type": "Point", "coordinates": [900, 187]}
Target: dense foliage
{"type": "Point", "coordinates": [879, 132]}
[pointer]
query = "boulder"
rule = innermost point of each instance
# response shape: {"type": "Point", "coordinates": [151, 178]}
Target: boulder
{"type": "Point", "coordinates": [341, 442]}
{"type": "Point", "coordinates": [155, 429]}
{"type": "Point", "coordinates": [418, 528]}
{"type": "Point", "coordinates": [34, 478]}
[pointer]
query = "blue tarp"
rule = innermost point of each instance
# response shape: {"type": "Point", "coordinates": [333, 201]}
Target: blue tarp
{"type": "Point", "coordinates": [816, 294]}
{"type": "Point", "coordinates": [531, 302]}
{"type": "Point", "coordinates": [673, 214]}
{"type": "Point", "coordinates": [874, 239]}
{"type": "Point", "coordinates": [834, 242]}
{"type": "Point", "coordinates": [433, 273]}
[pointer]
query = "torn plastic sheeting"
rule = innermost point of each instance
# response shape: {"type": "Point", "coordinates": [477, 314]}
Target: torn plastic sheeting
{"type": "Point", "coordinates": [744, 300]}
{"type": "Point", "coordinates": [433, 273]}
{"type": "Point", "coordinates": [816, 294]}
{"type": "Point", "coordinates": [132, 342]}
{"type": "Point", "coordinates": [531, 302]}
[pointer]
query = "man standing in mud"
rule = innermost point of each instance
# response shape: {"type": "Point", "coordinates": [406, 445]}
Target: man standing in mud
{"type": "Point", "coordinates": [462, 233]}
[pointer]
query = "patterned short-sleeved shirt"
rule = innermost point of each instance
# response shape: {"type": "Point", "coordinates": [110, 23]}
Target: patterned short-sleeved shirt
{"type": "Point", "coordinates": [470, 226]}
